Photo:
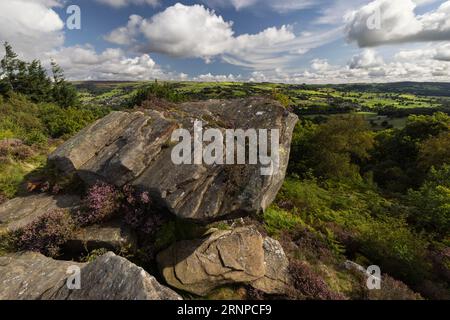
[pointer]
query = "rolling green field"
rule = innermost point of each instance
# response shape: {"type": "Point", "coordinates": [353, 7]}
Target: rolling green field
{"type": "Point", "coordinates": [381, 109]}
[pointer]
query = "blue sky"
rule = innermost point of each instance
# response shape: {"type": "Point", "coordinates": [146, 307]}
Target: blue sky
{"type": "Point", "coordinates": [295, 41]}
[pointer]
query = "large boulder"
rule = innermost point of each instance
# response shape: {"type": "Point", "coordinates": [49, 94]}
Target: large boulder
{"type": "Point", "coordinates": [32, 276]}
{"type": "Point", "coordinates": [20, 212]}
{"type": "Point", "coordinates": [136, 148]}
{"type": "Point", "coordinates": [234, 256]}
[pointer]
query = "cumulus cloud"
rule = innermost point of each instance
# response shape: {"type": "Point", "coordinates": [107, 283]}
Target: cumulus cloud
{"type": "Point", "coordinates": [439, 52]}
{"type": "Point", "coordinates": [124, 3]}
{"type": "Point", "coordinates": [390, 22]}
{"type": "Point", "coordinates": [197, 32]}
{"type": "Point", "coordinates": [35, 30]}
{"type": "Point", "coordinates": [336, 10]}
{"type": "Point", "coordinates": [188, 31]}
{"type": "Point", "coordinates": [84, 63]}
{"type": "Point", "coordinates": [366, 59]}
{"type": "Point", "coordinates": [125, 35]}
{"type": "Point", "coordinates": [31, 26]}
{"type": "Point", "coordinates": [217, 78]}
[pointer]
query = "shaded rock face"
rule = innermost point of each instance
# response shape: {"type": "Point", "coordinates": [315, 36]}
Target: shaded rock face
{"type": "Point", "coordinates": [113, 236]}
{"type": "Point", "coordinates": [136, 148]}
{"type": "Point", "coordinates": [32, 276]}
{"type": "Point", "coordinates": [20, 212]}
{"type": "Point", "coordinates": [225, 257]}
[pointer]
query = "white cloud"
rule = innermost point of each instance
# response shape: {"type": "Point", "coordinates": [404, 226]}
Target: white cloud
{"type": "Point", "coordinates": [188, 31]}
{"type": "Point", "coordinates": [335, 11]}
{"type": "Point", "coordinates": [35, 31]}
{"type": "Point", "coordinates": [368, 58]}
{"type": "Point", "coordinates": [442, 53]}
{"type": "Point", "coordinates": [30, 26]}
{"type": "Point", "coordinates": [125, 35]}
{"type": "Point", "coordinates": [124, 3]}
{"type": "Point", "coordinates": [320, 65]}
{"type": "Point", "coordinates": [399, 23]}
{"type": "Point", "coordinates": [198, 32]}
{"type": "Point", "coordinates": [84, 63]}
{"type": "Point", "coordinates": [439, 52]}
{"type": "Point", "coordinates": [217, 78]}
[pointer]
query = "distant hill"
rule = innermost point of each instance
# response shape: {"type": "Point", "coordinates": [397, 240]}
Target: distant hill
{"type": "Point", "coordinates": [430, 89]}
{"type": "Point", "coordinates": [436, 89]}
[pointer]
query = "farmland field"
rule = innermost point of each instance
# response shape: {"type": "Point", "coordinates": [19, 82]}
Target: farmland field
{"type": "Point", "coordinates": [381, 109]}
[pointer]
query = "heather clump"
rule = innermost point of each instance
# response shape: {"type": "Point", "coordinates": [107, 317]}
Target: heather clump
{"type": "Point", "coordinates": [139, 211]}
{"type": "Point", "coordinates": [47, 234]}
{"type": "Point", "coordinates": [102, 203]}
{"type": "Point", "coordinates": [310, 285]}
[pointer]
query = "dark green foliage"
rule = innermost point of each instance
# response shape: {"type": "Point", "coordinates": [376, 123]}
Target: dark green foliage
{"type": "Point", "coordinates": [34, 122]}
{"type": "Point", "coordinates": [333, 149]}
{"type": "Point", "coordinates": [61, 122]}
{"type": "Point", "coordinates": [402, 158]}
{"type": "Point", "coordinates": [31, 80]}
{"type": "Point", "coordinates": [63, 93]}
{"type": "Point", "coordinates": [155, 93]}
{"type": "Point", "coordinates": [432, 203]}
{"type": "Point", "coordinates": [398, 251]}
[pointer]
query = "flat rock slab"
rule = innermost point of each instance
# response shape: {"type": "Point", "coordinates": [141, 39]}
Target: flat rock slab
{"type": "Point", "coordinates": [135, 148]}
{"type": "Point", "coordinates": [20, 212]}
{"type": "Point", "coordinates": [32, 276]}
{"type": "Point", "coordinates": [113, 236]}
{"type": "Point", "coordinates": [225, 257]}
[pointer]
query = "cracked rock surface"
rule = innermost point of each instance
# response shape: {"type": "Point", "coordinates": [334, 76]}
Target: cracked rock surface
{"type": "Point", "coordinates": [225, 257]}
{"type": "Point", "coordinates": [135, 148]}
{"type": "Point", "coordinates": [32, 276]}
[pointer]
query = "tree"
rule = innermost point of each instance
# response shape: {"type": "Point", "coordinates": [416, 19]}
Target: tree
{"type": "Point", "coordinates": [432, 202]}
{"type": "Point", "coordinates": [31, 80]}
{"type": "Point", "coordinates": [435, 151]}
{"type": "Point", "coordinates": [340, 146]}
{"type": "Point", "coordinates": [402, 158]}
{"type": "Point", "coordinates": [37, 85]}
{"type": "Point", "coordinates": [63, 93]}
{"type": "Point", "coordinates": [9, 66]}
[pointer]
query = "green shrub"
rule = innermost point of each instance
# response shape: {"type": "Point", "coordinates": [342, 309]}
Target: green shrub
{"type": "Point", "coordinates": [155, 92]}
{"type": "Point", "coordinates": [11, 177]}
{"type": "Point", "coordinates": [432, 203]}
{"type": "Point", "coordinates": [65, 122]}
{"type": "Point", "coordinates": [277, 221]}
{"type": "Point", "coordinates": [397, 250]}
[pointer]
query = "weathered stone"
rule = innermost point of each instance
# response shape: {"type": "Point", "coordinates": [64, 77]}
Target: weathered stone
{"type": "Point", "coordinates": [225, 257]}
{"type": "Point", "coordinates": [20, 212]}
{"type": "Point", "coordinates": [350, 265]}
{"type": "Point", "coordinates": [276, 279]}
{"type": "Point", "coordinates": [113, 236]}
{"type": "Point", "coordinates": [32, 276]}
{"type": "Point", "coordinates": [135, 148]}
